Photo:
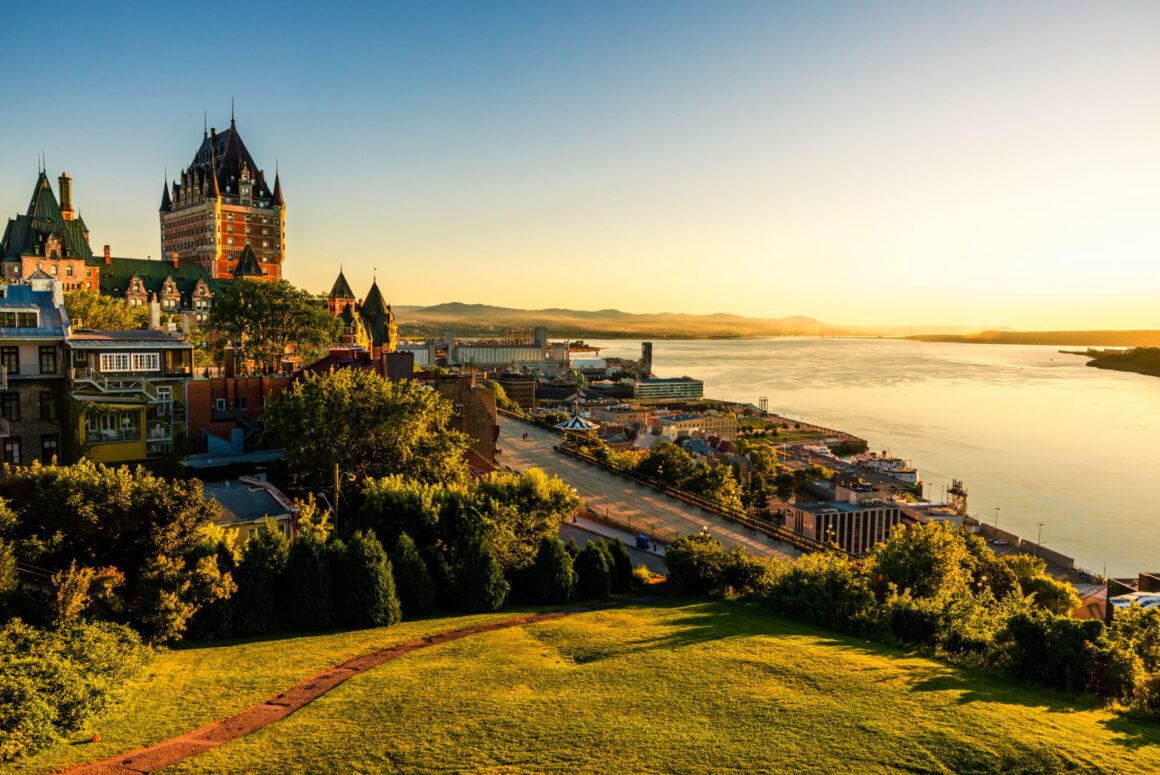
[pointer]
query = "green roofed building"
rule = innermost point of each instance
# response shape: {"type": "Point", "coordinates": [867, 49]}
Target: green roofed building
{"type": "Point", "coordinates": [50, 237]}
{"type": "Point", "coordinates": [180, 287]}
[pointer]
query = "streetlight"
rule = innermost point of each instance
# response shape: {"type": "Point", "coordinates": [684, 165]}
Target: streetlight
{"type": "Point", "coordinates": [1039, 539]}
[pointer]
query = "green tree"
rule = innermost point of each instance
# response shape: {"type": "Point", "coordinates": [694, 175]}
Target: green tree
{"type": "Point", "coordinates": [930, 560]}
{"type": "Point", "coordinates": [306, 583]}
{"type": "Point", "coordinates": [368, 426]}
{"type": "Point", "coordinates": [1054, 596]}
{"type": "Point", "coordinates": [92, 310]}
{"type": "Point", "coordinates": [594, 580]}
{"type": "Point", "coordinates": [553, 578]}
{"type": "Point", "coordinates": [621, 566]}
{"type": "Point", "coordinates": [501, 396]}
{"type": "Point", "coordinates": [482, 586]}
{"type": "Point", "coordinates": [8, 577]}
{"type": "Point", "coordinates": [667, 463]}
{"type": "Point", "coordinates": [696, 563]}
{"type": "Point", "coordinates": [143, 525]}
{"type": "Point", "coordinates": [259, 577]}
{"type": "Point", "coordinates": [264, 319]}
{"type": "Point", "coordinates": [413, 582]}
{"type": "Point", "coordinates": [367, 591]}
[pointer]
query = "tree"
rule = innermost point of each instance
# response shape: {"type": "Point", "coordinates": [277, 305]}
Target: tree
{"type": "Point", "coordinates": [368, 426]}
{"type": "Point", "coordinates": [367, 592]}
{"type": "Point", "coordinates": [621, 566]}
{"type": "Point", "coordinates": [306, 582]}
{"type": "Point", "coordinates": [264, 319]}
{"type": "Point", "coordinates": [930, 560]}
{"type": "Point", "coordinates": [594, 580]}
{"type": "Point", "coordinates": [482, 586]}
{"type": "Point", "coordinates": [259, 578]}
{"type": "Point", "coordinates": [92, 310]}
{"type": "Point", "coordinates": [553, 579]}
{"type": "Point", "coordinates": [414, 584]}
{"type": "Point", "coordinates": [143, 525]}
{"type": "Point", "coordinates": [1054, 596]}
{"type": "Point", "coordinates": [501, 396]}
{"type": "Point", "coordinates": [667, 463]}
{"type": "Point", "coordinates": [696, 563]}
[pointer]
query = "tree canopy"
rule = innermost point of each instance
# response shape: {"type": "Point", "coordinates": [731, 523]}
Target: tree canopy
{"type": "Point", "coordinates": [368, 426]}
{"type": "Point", "coordinates": [263, 319]}
{"type": "Point", "coordinates": [92, 310]}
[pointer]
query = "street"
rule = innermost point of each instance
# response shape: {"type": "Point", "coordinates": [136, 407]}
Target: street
{"type": "Point", "coordinates": [606, 492]}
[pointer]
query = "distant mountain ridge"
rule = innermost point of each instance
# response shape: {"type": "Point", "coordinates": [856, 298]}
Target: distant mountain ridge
{"type": "Point", "coordinates": [607, 321]}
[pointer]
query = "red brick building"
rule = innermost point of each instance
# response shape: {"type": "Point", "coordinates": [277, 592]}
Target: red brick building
{"type": "Point", "coordinates": [221, 405]}
{"type": "Point", "coordinates": [221, 204]}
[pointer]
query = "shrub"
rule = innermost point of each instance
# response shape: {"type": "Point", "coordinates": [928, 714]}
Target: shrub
{"type": "Point", "coordinates": [572, 547]}
{"type": "Point", "coordinates": [820, 588]}
{"type": "Point", "coordinates": [553, 579]}
{"type": "Point", "coordinates": [258, 577]}
{"type": "Point", "coordinates": [412, 581]}
{"type": "Point", "coordinates": [621, 566]}
{"type": "Point", "coordinates": [216, 619]}
{"type": "Point", "coordinates": [696, 564]}
{"type": "Point", "coordinates": [367, 591]}
{"type": "Point", "coordinates": [306, 583]}
{"type": "Point", "coordinates": [594, 580]}
{"type": "Point", "coordinates": [53, 681]}
{"type": "Point", "coordinates": [482, 586]}
{"type": "Point", "coordinates": [641, 575]}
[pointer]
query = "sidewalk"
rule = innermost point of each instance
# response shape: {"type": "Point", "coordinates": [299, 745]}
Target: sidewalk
{"type": "Point", "coordinates": [583, 529]}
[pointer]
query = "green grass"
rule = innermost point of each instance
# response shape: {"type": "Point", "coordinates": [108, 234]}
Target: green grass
{"type": "Point", "coordinates": [187, 687]}
{"type": "Point", "coordinates": [685, 687]}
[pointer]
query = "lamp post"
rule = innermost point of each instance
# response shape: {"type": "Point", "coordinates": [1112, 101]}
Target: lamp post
{"type": "Point", "coordinates": [996, 517]}
{"type": "Point", "coordinates": [1039, 538]}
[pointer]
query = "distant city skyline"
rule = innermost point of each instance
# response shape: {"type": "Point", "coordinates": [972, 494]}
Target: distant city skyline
{"type": "Point", "coordinates": [985, 164]}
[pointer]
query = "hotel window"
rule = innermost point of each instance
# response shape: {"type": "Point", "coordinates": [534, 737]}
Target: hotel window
{"type": "Point", "coordinates": [10, 406]}
{"type": "Point", "coordinates": [68, 270]}
{"type": "Point", "coordinates": [48, 360]}
{"type": "Point", "coordinates": [265, 244]}
{"type": "Point", "coordinates": [53, 268]}
{"type": "Point", "coordinates": [47, 406]}
{"type": "Point", "coordinates": [49, 446]}
{"type": "Point", "coordinates": [230, 216]}
{"type": "Point", "coordinates": [114, 361]}
{"type": "Point", "coordinates": [231, 242]}
{"type": "Point", "coordinates": [12, 451]}
{"type": "Point", "coordinates": [229, 229]}
{"type": "Point", "coordinates": [10, 359]}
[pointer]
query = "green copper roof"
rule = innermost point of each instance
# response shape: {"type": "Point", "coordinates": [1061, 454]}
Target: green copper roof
{"type": "Point", "coordinates": [341, 289]}
{"type": "Point", "coordinates": [27, 233]}
{"type": "Point", "coordinates": [119, 273]}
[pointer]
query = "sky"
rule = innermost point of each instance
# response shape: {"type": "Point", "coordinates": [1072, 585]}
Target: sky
{"type": "Point", "coordinates": [911, 163]}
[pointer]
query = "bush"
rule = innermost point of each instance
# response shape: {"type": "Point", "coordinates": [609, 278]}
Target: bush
{"type": "Point", "coordinates": [696, 564]}
{"type": "Point", "coordinates": [553, 579]}
{"type": "Point", "coordinates": [572, 548]}
{"type": "Point", "coordinates": [641, 575]}
{"type": "Point", "coordinates": [482, 586]}
{"type": "Point", "coordinates": [367, 591]}
{"type": "Point", "coordinates": [412, 581]}
{"type": "Point", "coordinates": [216, 619]}
{"type": "Point", "coordinates": [53, 681]}
{"type": "Point", "coordinates": [594, 580]}
{"type": "Point", "coordinates": [621, 567]}
{"type": "Point", "coordinates": [820, 588]}
{"type": "Point", "coordinates": [259, 576]}
{"type": "Point", "coordinates": [306, 584]}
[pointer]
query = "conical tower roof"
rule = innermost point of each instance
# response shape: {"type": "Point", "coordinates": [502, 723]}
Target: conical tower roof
{"type": "Point", "coordinates": [375, 303]}
{"type": "Point", "coordinates": [248, 265]}
{"type": "Point", "coordinates": [341, 289]}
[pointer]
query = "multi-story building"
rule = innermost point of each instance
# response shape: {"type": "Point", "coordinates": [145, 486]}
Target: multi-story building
{"type": "Point", "coordinates": [855, 527]}
{"type": "Point", "coordinates": [722, 425]}
{"type": "Point", "coordinates": [179, 287]}
{"type": "Point", "coordinates": [672, 387]}
{"type": "Point", "coordinates": [373, 317]}
{"type": "Point", "coordinates": [33, 327]}
{"type": "Point", "coordinates": [221, 204]}
{"type": "Point", "coordinates": [50, 238]}
{"type": "Point", "coordinates": [627, 415]}
{"type": "Point", "coordinates": [130, 392]}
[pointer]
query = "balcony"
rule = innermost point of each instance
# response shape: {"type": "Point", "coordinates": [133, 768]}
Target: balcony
{"type": "Point", "coordinates": [108, 436]}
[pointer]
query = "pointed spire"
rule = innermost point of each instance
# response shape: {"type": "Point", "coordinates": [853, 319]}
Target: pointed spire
{"type": "Point", "coordinates": [231, 112]}
{"type": "Point", "coordinates": [278, 186]}
{"type": "Point", "coordinates": [166, 202]}
{"type": "Point", "coordinates": [205, 125]}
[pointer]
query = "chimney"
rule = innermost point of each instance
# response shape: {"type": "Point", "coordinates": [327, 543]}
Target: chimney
{"type": "Point", "coordinates": [175, 260]}
{"type": "Point", "coordinates": [108, 260]}
{"type": "Point", "coordinates": [66, 209]}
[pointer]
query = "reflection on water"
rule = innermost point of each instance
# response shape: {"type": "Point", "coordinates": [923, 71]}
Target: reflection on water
{"type": "Point", "coordinates": [1029, 429]}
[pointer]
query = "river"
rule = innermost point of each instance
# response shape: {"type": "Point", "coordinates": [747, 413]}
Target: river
{"type": "Point", "coordinates": [1028, 429]}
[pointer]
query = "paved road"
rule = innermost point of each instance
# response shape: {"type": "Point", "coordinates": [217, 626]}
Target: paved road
{"type": "Point", "coordinates": [606, 492]}
{"type": "Point", "coordinates": [586, 531]}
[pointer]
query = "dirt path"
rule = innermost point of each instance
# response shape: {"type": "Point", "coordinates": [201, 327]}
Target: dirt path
{"type": "Point", "coordinates": [167, 752]}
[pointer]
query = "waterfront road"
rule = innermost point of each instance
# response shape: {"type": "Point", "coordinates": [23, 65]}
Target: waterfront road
{"type": "Point", "coordinates": [608, 493]}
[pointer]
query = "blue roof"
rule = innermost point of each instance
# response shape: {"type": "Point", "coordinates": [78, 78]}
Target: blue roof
{"type": "Point", "coordinates": [53, 319]}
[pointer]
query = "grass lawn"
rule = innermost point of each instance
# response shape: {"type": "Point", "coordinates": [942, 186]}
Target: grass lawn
{"type": "Point", "coordinates": [685, 687]}
{"type": "Point", "coordinates": [189, 686]}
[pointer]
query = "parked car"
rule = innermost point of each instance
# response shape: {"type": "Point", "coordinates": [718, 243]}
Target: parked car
{"type": "Point", "coordinates": [1000, 541]}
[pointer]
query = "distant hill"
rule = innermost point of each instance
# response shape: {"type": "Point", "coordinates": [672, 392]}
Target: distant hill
{"type": "Point", "coordinates": [1084, 338]}
{"type": "Point", "coordinates": [486, 318]}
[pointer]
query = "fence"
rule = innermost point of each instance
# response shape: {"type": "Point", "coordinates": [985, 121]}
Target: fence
{"type": "Point", "coordinates": [733, 515]}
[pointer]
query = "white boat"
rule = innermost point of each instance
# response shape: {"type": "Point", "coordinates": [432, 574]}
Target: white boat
{"type": "Point", "coordinates": [885, 464]}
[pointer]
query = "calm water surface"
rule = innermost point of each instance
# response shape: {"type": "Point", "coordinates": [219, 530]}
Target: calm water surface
{"type": "Point", "coordinates": [1027, 428]}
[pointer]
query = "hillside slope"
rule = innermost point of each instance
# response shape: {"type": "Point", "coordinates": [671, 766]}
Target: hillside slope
{"type": "Point", "coordinates": [686, 687]}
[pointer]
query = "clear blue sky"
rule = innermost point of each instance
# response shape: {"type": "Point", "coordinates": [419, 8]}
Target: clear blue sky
{"type": "Point", "coordinates": [913, 163]}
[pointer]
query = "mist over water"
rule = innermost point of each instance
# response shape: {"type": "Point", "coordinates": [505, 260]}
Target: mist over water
{"type": "Point", "coordinates": [1027, 428]}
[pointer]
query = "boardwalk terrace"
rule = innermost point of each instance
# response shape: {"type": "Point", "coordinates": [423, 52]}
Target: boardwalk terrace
{"type": "Point", "coordinates": [853, 527]}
